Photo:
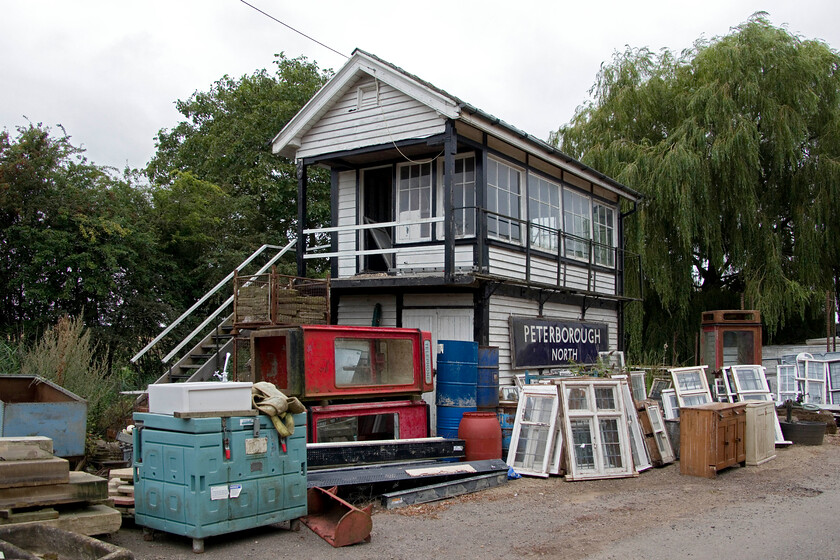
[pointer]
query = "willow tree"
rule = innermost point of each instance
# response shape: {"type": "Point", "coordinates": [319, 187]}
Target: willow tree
{"type": "Point", "coordinates": [735, 144]}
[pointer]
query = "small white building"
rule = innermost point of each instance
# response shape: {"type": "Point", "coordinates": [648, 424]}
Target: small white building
{"type": "Point", "coordinates": [447, 219]}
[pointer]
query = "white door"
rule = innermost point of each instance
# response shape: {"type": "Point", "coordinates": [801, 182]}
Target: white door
{"type": "Point", "coordinates": [444, 324]}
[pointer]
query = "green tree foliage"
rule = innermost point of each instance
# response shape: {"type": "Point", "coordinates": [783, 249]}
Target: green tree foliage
{"type": "Point", "coordinates": [224, 140]}
{"type": "Point", "coordinates": [735, 144]}
{"type": "Point", "coordinates": [74, 239]}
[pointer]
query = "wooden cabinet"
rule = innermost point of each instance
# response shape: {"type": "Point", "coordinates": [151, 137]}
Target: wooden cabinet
{"type": "Point", "coordinates": [760, 437]}
{"type": "Point", "coordinates": [712, 437]}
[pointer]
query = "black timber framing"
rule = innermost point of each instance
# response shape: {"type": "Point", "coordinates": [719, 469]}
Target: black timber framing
{"type": "Point", "coordinates": [301, 225]}
{"type": "Point", "coordinates": [334, 171]}
{"type": "Point", "coordinates": [450, 149]}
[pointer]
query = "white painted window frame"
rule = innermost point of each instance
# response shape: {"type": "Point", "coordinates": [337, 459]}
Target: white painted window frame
{"type": "Point", "coordinates": [545, 236]}
{"type": "Point", "coordinates": [833, 388]}
{"type": "Point", "coordinates": [413, 232]}
{"type": "Point", "coordinates": [741, 394]}
{"type": "Point", "coordinates": [604, 248]}
{"type": "Point", "coordinates": [578, 246]}
{"type": "Point", "coordinates": [670, 404]}
{"type": "Point", "coordinates": [660, 434]}
{"type": "Point", "coordinates": [594, 415]}
{"type": "Point", "coordinates": [637, 385]}
{"type": "Point", "coordinates": [461, 206]}
{"type": "Point", "coordinates": [641, 457]}
{"type": "Point", "coordinates": [687, 397]}
{"type": "Point", "coordinates": [812, 381]}
{"type": "Point", "coordinates": [498, 216]}
{"type": "Point", "coordinates": [786, 375]}
{"type": "Point", "coordinates": [541, 465]}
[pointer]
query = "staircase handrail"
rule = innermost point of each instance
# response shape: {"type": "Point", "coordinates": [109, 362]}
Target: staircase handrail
{"type": "Point", "coordinates": [205, 297]}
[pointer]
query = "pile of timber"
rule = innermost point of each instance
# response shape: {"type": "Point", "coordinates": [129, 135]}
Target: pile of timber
{"type": "Point", "coordinates": [295, 308]}
{"type": "Point", "coordinates": [36, 487]}
{"type": "Point", "coordinates": [121, 490]}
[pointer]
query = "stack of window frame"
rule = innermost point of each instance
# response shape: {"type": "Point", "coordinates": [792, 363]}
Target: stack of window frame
{"type": "Point", "coordinates": [585, 423]}
{"type": "Point", "coordinates": [749, 383]}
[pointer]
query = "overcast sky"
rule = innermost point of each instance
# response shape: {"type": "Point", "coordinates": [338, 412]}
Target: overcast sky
{"type": "Point", "coordinates": [110, 71]}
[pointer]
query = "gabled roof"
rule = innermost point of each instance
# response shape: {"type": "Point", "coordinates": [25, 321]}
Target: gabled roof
{"type": "Point", "coordinates": [363, 64]}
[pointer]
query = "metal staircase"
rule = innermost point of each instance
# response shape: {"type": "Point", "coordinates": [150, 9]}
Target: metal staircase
{"type": "Point", "coordinates": [205, 360]}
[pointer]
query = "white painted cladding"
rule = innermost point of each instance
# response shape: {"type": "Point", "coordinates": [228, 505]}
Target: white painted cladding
{"type": "Point", "coordinates": [346, 127]}
{"type": "Point", "coordinates": [432, 257]}
{"type": "Point", "coordinates": [511, 264]}
{"type": "Point", "coordinates": [502, 307]}
{"type": "Point", "coordinates": [357, 311]}
{"type": "Point", "coordinates": [346, 217]}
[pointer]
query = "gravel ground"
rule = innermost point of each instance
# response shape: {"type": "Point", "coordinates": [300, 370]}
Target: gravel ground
{"type": "Point", "coordinates": [786, 508]}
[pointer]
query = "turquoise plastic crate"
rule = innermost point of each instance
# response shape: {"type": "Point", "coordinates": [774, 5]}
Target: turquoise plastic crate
{"type": "Point", "coordinates": [185, 485]}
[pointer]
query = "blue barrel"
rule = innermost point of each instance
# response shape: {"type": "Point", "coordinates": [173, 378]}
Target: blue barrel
{"type": "Point", "coordinates": [507, 416]}
{"type": "Point", "coordinates": [487, 384]}
{"type": "Point", "coordinates": [457, 374]}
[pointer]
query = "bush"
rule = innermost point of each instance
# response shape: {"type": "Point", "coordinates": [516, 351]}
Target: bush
{"type": "Point", "coordinates": [66, 356]}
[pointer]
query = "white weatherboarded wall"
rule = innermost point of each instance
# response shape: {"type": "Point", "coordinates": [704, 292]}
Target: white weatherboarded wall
{"type": "Point", "coordinates": [346, 217]}
{"type": "Point", "coordinates": [345, 126]}
{"type": "Point", "coordinates": [358, 310]}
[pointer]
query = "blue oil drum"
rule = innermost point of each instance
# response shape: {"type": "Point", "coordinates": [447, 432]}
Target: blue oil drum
{"type": "Point", "coordinates": [457, 375]}
{"type": "Point", "coordinates": [487, 384]}
{"type": "Point", "coordinates": [449, 419]}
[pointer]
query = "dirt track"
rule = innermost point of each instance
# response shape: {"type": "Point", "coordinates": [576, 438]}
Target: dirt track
{"type": "Point", "coordinates": [785, 508]}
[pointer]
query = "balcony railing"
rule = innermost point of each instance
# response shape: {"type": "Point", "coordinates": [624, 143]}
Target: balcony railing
{"type": "Point", "coordinates": [536, 241]}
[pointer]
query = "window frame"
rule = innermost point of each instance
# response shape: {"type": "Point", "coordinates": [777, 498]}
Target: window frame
{"type": "Point", "coordinates": [786, 375]}
{"type": "Point", "coordinates": [407, 233]}
{"type": "Point", "coordinates": [601, 248]}
{"type": "Point", "coordinates": [670, 404]}
{"type": "Point", "coordinates": [536, 392]}
{"type": "Point", "coordinates": [512, 222]}
{"type": "Point", "coordinates": [537, 230]}
{"type": "Point", "coordinates": [595, 415]}
{"type": "Point", "coordinates": [660, 433]}
{"type": "Point", "coordinates": [683, 395]}
{"type": "Point", "coordinates": [641, 457]}
{"type": "Point", "coordinates": [457, 208]}
{"type": "Point", "coordinates": [571, 237]}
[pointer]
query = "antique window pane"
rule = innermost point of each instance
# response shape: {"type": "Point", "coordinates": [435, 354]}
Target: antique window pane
{"type": "Point", "coordinates": [610, 443]}
{"type": "Point", "coordinates": [605, 398]}
{"type": "Point", "coordinates": [544, 212]}
{"type": "Point", "coordinates": [604, 234]}
{"type": "Point", "coordinates": [582, 444]}
{"type": "Point", "coordinates": [576, 224]}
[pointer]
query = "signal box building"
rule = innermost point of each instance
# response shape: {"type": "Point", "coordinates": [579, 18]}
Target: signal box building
{"type": "Point", "coordinates": [447, 219]}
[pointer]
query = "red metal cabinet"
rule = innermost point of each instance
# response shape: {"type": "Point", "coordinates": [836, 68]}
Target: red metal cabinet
{"type": "Point", "coordinates": [369, 421]}
{"type": "Point", "coordinates": [321, 362]}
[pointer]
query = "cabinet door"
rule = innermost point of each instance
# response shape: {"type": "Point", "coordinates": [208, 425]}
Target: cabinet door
{"type": "Point", "coordinates": [739, 443]}
{"type": "Point", "coordinates": [726, 448]}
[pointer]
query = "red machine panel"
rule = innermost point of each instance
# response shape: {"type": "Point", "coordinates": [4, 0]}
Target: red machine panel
{"type": "Point", "coordinates": [329, 362]}
{"type": "Point", "coordinates": [368, 421]}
